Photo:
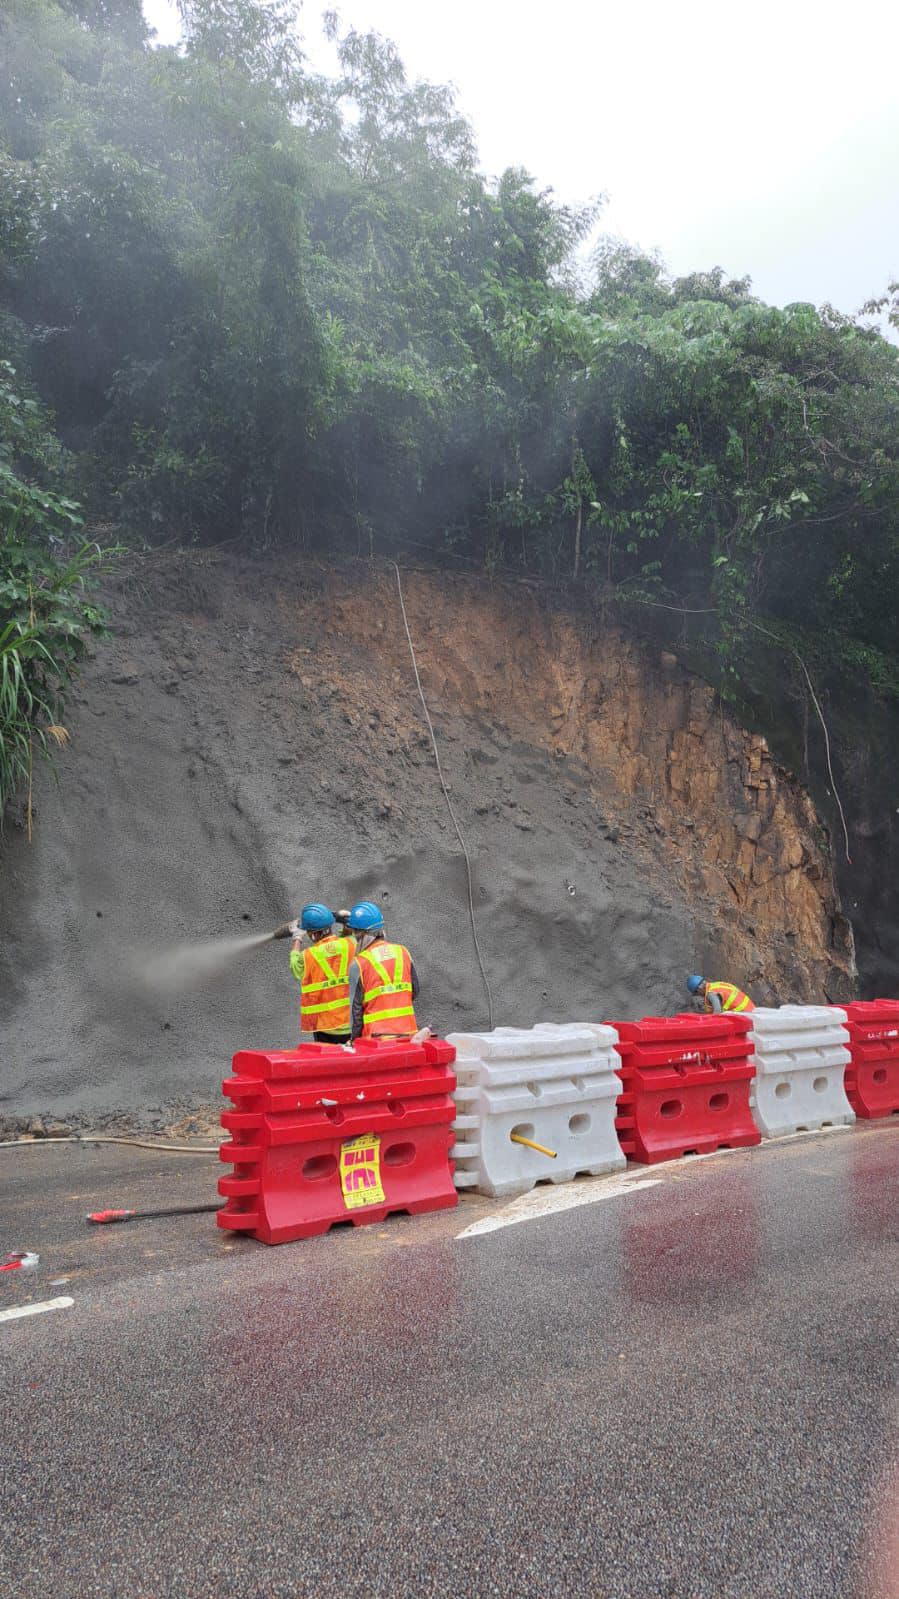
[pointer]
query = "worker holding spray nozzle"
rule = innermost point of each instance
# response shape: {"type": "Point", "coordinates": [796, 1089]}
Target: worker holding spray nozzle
{"type": "Point", "coordinates": [320, 961]}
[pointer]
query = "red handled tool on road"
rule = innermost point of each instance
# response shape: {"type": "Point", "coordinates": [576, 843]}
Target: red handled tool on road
{"type": "Point", "coordinates": [21, 1260]}
{"type": "Point", "coordinates": [102, 1218]}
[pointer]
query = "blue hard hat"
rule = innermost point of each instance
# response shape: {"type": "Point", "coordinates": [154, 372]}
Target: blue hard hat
{"type": "Point", "coordinates": [694, 984]}
{"type": "Point", "coordinates": [365, 917]}
{"type": "Point", "coordinates": [316, 918]}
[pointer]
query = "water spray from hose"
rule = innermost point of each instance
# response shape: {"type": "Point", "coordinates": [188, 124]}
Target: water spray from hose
{"type": "Point", "coordinates": [188, 965]}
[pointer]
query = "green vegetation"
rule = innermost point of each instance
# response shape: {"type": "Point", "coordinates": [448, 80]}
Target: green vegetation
{"type": "Point", "coordinates": [274, 308]}
{"type": "Point", "coordinates": [46, 615]}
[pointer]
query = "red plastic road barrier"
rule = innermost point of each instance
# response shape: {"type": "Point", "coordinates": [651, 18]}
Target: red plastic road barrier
{"type": "Point", "coordinates": [321, 1135]}
{"type": "Point", "coordinates": [872, 1077]}
{"type": "Point", "coordinates": [686, 1082]}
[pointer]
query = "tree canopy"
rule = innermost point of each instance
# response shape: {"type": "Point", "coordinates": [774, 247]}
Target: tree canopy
{"type": "Point", "coordinates": [262, 305]}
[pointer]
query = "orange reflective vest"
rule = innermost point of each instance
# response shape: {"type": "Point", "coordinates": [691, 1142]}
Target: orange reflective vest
{"type": "Point", "coordinates": [732, 998]}
{"type": "Point", "coordinates": [325, 986]}
{"type": "Point", "coordinates": [385, 971]}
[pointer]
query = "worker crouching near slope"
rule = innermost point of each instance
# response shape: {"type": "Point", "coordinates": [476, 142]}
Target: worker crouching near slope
{"type": "Point", "coordinates": [719, 997]}
{"type": "Point", "coordinates": [322, 970]}
{"type": "Point", "coordinates": [383, 979]}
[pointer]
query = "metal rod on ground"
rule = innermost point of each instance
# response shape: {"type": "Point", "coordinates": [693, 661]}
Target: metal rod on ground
{"type": "Point", "coordinates": [103, 1218]}
{"type": "Point", "coordinates": [540, 1148]}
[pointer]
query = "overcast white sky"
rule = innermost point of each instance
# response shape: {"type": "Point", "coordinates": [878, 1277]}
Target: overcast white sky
{"type": "Point", "coordinates": [760, 137]}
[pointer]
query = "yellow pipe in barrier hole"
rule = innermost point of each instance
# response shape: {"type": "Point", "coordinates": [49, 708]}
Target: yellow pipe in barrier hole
{"type": "Point", "coordinates": [540, 1148]}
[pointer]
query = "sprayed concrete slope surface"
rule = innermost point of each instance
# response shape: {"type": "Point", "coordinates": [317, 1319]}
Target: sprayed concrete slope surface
{"type": "Point", "coordinates": [251, 737]}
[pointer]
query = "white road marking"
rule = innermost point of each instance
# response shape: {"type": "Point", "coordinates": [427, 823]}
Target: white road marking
{"type": "Point", "coordinates": [17, 1311]}
{"type": "Point", "coordinates": [808, 1132]}
{"type": "Point", "coordinates": [708, 1154]}
{"type": "Point", "coordinates": [739, 1148]}
{"type": "Point", "coordinates": [546, 1201]}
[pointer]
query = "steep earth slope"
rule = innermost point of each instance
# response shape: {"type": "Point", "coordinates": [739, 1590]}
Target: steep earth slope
{"type": "Point", "coordinates": [251, 737]}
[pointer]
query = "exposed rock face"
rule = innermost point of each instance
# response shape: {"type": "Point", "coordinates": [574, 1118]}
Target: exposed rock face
{"type": "Point", "coordinates": [252, 737]}
{"type": "Point", "coordinates": [729, 828]}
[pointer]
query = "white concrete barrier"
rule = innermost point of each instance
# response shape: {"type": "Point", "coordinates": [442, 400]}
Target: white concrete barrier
{"type": "Point", "coordinates": [553, 1084]}
{"type": "Point", "coordinates": [801, 1055]}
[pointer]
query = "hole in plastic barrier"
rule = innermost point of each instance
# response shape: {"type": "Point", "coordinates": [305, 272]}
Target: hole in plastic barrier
{"type": "Point", "coordinates": [334, 1114]}
{"type": "Point", "coordinates": [523, 1130]}
{"type": "Point", "coordinates": [880, 1075]}
{"type": "Point", "coordinates": [318, 1166]}
{"type": "Point", "coordinates": [783, 1090]}
{"type": "Point", "coordinates": [671, 1107]}
{"type": "Point", "coordinates": [396, 1107]}
{"type": "Point", "coordinates": [535, 1089]}
{"type": "Point", "coordinates": [719, 1101]}
{"type": "Point", "coordinates": [819, 1085]}
{"type": "Point", "coordinates": [579, 1123]}
{"type": "Point", "coordinates": [399, 1155]}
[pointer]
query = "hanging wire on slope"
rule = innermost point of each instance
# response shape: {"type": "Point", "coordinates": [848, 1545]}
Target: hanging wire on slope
{"type": "Point", "coordinates": [712, 610]}
{"type": "Point", "coordinates": [449, 803]}
{"type": "Point", "coordinates": [836, 793]}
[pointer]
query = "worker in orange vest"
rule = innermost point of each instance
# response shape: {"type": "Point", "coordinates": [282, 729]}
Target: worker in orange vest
{"type": "Point", "coordinates": [322, 969]}
{"type": "Point", "coordinates": [383, 979]}
{"type": "Point", "coordinates": [719, 997]}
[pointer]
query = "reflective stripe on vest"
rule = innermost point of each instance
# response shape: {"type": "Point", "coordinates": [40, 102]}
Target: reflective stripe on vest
{"type": "Point", "coordinates": [386, 974]}
{"type": "Point", "coordinates": [325, 987]}
{"type": "Point", "coordinates": [732, 998]}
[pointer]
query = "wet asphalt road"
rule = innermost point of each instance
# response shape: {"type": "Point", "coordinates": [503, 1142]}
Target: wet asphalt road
{"type": "Point", "coordinates": [682, 1392]}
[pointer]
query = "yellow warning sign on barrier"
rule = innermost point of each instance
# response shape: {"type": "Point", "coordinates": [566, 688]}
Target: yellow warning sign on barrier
{"type": "Point", "coordinates": [360, 1171]}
